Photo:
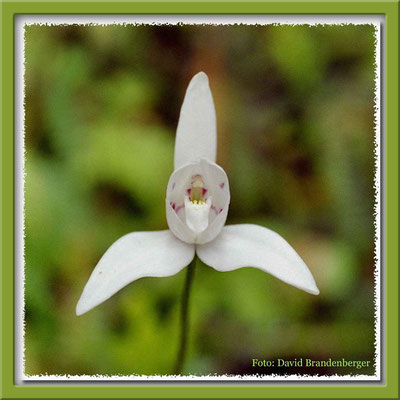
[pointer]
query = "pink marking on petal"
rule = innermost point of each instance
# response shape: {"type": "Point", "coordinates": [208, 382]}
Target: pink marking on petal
{"type": "Point", "coordinates": [220, 210]}
{"type": "Point", "coordinates": [221, 185]}
{"type": "Point", "coordinates": [214, 209]}
{"type": "Point", "coordinates": [204, 191]}
{"type": "Point", "coordinates": [188, 190]}
{"type": "Point", "coordinates": [177, 209]}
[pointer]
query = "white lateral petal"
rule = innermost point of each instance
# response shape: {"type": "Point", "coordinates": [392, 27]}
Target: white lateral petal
{"type": "Point", "coordinates": [213, 229]}
{"type": "Point", "coordinates": [196, 135]}
{"type": "Point", "coordinates": [177, 226]}
{"type": "Point", "coordinates": [248, 245]}
{"type": "Point", "coordinates": [134, 256]}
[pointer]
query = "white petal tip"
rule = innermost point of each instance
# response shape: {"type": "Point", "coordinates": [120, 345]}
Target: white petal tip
{"type": "Point", "coordinates": [80, 309]}
{"type": "Point", "coordinates": [312, 290]}
{"type": "Point", "coordinates": [199, 79]}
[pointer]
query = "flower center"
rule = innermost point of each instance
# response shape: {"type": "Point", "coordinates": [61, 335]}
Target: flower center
{"type": "Point", "coordinates": [197, 190]}
{"type": "Point", "coordinates": [197, 207]}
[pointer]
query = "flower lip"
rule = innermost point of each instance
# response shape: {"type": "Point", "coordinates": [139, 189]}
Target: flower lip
{"type": "Point", "coordinates": [197, 214]}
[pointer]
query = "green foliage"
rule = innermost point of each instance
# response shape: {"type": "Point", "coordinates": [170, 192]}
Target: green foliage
{"type": "Point", "coordinates": [295, 108]}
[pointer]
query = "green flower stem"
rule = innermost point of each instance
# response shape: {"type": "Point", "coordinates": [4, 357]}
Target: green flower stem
{"type": "Point", "coordinates": [185, 317]}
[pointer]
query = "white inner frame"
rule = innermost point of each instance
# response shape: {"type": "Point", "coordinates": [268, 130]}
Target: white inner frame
{"type": "Point", "coordinates": [23, 20]}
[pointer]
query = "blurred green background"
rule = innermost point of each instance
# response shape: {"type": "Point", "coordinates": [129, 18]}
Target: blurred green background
{"type": "Point", "coordinates": [295, 111]}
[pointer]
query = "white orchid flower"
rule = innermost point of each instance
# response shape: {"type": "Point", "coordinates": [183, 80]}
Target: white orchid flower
{"type": "Point", "coordinates": [197, 203]}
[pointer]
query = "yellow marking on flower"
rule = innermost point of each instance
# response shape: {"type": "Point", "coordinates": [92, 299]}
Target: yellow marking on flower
{"type": "Point", "coordinates": [196, 191]}
{"type": "Point", "coordinates": [198, 202]}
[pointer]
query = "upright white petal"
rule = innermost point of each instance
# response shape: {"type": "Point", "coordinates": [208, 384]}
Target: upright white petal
{"type": "Point", "coordinates": [196, 135]}
{"type": "Point", "coordinates": [255, 246]}
{"type": "Point", "coordinates": [134, 256]}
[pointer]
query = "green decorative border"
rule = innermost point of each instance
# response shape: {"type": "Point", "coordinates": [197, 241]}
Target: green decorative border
{"type": "Point", "coordinates": [386, 390]}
